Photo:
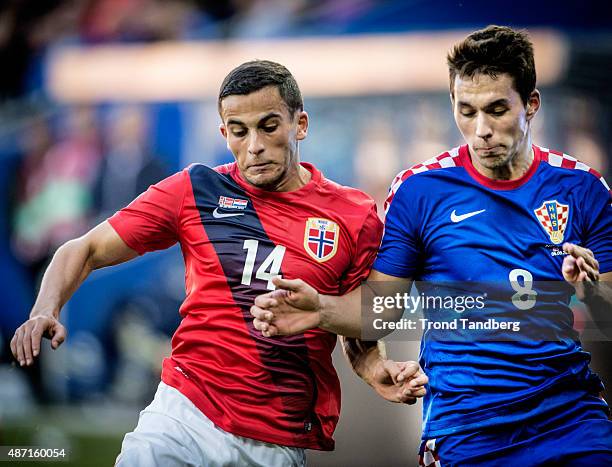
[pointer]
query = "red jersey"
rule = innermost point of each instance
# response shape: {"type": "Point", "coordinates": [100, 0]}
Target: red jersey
{"type": "Point", "coordinates": [235, 238]}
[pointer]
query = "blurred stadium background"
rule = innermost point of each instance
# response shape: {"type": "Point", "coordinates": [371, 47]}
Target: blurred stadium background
{"type": "Point", "coordinates": [101, 98]}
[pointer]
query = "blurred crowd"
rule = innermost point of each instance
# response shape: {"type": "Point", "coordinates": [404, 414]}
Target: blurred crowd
{"type": "Point", "coordinates": [29, 27]}
{"type": "Point", "coordinates": [78, 175]}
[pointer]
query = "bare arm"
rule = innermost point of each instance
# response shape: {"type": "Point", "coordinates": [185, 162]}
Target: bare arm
{"type": "Point", "coordinates": [296, 306]}
{"type": "Point", "coordinates": [394, 381]}
{"type": "Point", "coordinates": [71, 265]}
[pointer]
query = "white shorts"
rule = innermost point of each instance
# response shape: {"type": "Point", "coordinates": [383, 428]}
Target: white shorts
{"type": "Point", "coordinates": [172, 431]}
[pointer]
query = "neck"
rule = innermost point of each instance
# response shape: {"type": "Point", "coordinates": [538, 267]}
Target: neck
{"type": "Point", "coordinates": [295, 178]}
{"type": "Point", "coordinates": [514, 168]}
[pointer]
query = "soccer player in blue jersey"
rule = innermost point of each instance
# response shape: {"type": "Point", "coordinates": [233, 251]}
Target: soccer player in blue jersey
{"type": "Point", "coordinates": [504, 210]}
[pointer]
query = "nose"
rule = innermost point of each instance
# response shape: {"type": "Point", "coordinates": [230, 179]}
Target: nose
{"type": "Point", "coordinates": [256, 146]}
{"type": "Point", "coordinates": [484, 129]}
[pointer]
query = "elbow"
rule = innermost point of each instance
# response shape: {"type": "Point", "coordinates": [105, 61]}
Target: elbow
{"type": "Point", "coordinates": [79, 250]}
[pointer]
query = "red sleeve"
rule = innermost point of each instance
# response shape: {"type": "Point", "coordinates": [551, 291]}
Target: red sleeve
{"type": "Point", "coordinates": [366, 248]}
{"type": "Point", "coordinates": [150, 222]}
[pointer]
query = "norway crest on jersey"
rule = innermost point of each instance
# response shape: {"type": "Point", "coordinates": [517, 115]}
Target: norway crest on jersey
{"type": "Point", "coordinates": [553, 217]}
{"type": "Point", "coordinates": [321, 238]}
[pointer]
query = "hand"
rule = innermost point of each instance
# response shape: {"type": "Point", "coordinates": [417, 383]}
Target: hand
{"type": "Point", "coordinates": [401, 382]}
{"type": "Point", "coordinates": [25, 344]}
{"type": "Point", "coordinates": [579, 267]}
{"type": "Point", "coordinates": [291, 309]}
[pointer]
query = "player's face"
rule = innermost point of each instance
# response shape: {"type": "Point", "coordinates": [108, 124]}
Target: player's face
{"type": "Point", "coordinates": [493, 119]}
{"type": "Point", "coordinates": [263, 137]}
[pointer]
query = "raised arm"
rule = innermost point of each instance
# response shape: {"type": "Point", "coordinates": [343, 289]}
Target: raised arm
{"type": "Point", "coordinates": [296, 306]}
{"type": "Point", "coordinates": [71, 265]}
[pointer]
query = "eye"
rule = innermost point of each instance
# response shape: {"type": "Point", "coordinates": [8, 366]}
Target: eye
{"type": "Point", "coordinates": [468, 113]}
{"type": "Point", "coordinates": [270, 128]}
{"type": "Point", "coordinates": [499, 112]}
{"type": "Point", "coordinates": [239, 133]}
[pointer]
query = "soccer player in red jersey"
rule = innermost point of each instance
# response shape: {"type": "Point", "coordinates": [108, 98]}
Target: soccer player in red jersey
{"type": "Point", "coordinates": [230, 396]}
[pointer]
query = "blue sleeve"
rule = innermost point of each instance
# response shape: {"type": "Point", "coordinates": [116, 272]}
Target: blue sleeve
{"type": "Point", "coordinates": [597, 219]}
{"type": "Point", "coordinates": [400, 251]}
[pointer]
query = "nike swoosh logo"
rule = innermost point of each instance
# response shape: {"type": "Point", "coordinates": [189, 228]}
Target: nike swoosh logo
{"type": "Point", "coordinates": [221, 215]}
{"type": "Point", "coordinates": [455, 218]}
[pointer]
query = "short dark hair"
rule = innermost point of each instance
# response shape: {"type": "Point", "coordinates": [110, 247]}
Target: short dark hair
{"type": "Point", "coordinates": [257, 74]}
{"type": "Point", "coordinates": [495, 50]}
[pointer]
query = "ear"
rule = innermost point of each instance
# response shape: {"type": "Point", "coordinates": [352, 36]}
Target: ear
{"type": "Point", "coordinates": [533, 104]}
{"type": "Point", "coordinates": [302, 128]}
{"type": "Point", "coordinates": [223, 131]}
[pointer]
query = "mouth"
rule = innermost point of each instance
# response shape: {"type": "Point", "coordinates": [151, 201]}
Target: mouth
{"type": "Point", "coordinates": [260, 167]}
{"type": "Point", "coordinates": [489, 150]}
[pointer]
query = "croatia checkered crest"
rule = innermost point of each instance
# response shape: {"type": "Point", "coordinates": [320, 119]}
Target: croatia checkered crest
{"type": "Point", "coordinates": [321, 238]}
{"type": "Point", "coordinates": [553, 218]}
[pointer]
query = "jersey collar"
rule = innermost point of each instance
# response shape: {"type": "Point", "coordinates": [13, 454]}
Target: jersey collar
{"type": "Point", "coordinates": [466, 162]}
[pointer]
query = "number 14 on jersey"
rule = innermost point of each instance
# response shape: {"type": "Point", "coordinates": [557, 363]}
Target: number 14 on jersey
{"type": "Point", "coordinates": [269, 268]}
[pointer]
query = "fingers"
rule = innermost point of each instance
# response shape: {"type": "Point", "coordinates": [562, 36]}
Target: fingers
{"type": "Point", "coordinates": [271, 332]}
{"type": "Point", "coordinates": [417, 381]}
{"type": "Point", "coordinates": [21, 344]}
{"type": "Point", "coordinates": [393, 369]}
{"type": "Point", "coordinates": [267, 329]}
{"type": "Point", "coordinates": [17, 346]}
{"type": "Point", "coordinates": [35, 338]}
{"type": "Point", "coordinates": [405, 395]}
{"type": "Point", "coordinates": [585, 266]}
{"type": "Point", "coordinates": [261, 325]}
{"type": "Point", "coordinates": [261, 314]}
{"type": "Point", "coordinates": [419, 392]}
{"type": "Point", "coordinates": [263, 321]}
{"type": "Point", "coordinates": [25, 344]}
{"type": "Point", "coordinates": [409, 393]}
{"type": "Point", "coordinates": [568, 248]}
{"type": "Point", "coordinates": [59, 336]}
{"type": "Point", "coordinates": [409, 369]}
{"type": "Point", "coordinates": [266, 300]}
{"type": "Point", "coordinates": [580, 264]}
{"type": "Point", "coordinates": [572, 249]}
{"type": "Point", "coordinates": [589, 258]}
{"type": "Point", "coordinates": [569, 267]}
{"type": "Point", "coordinates": [584, 256]}
{"type": "Point", "coordinates": [293, 285]}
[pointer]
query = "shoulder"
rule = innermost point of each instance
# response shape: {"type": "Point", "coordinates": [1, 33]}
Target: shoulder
{"type": "Point", "coordinates": [423, 172]}
{"type": "Point", "coordinates": [569, 166]}
{"type": "Point", "coordinates": [198, 167]}
{"type": "Point", "coordinates": [225, 168]}
{"type": "Point", "coordinates": [198, 172]}
{"type": "Point", "coordinates": [347, 195]}
{"type": "Point", "coordinates": [353, 208]}
{"type": "Point", "coordinates": [173, 183]}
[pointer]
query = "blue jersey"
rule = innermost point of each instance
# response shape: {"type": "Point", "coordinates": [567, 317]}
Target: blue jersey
{"type": "Point", "coordinates": [447, 222]}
